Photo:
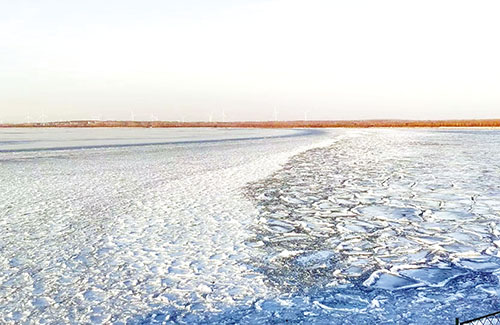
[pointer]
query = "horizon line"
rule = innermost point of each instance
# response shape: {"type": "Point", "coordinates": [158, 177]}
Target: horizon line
{"type": "Point", "coordinates": [365, 123]}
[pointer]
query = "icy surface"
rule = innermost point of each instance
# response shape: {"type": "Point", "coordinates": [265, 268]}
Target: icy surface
{"type": "Point", "coordinates": [112, 233]}
{"type": "Point", "coordinates": [249, 226]}
{"type": "Point", "coordinates": [410, 216]}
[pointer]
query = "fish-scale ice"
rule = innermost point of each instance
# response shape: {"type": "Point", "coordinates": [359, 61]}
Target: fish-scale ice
{"type": "Point", "coordinates": [395, 210]}
{"type": "Point", "coordinates": [381, 226]}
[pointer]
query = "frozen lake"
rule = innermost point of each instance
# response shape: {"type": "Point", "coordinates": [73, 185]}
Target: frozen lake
{"type": "Point", "coordinates": [140, 226]}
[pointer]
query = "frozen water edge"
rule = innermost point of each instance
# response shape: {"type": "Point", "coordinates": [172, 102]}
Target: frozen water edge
{"type": "Point", "coordinates": [111, 234]}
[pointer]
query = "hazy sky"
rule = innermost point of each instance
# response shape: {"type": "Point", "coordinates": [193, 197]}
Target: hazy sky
{"type": "Point", "coordinates": [190, 60]}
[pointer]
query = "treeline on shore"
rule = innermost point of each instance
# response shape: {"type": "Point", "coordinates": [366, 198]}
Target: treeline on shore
{"type": "Point", "coordinates": [267, 124]}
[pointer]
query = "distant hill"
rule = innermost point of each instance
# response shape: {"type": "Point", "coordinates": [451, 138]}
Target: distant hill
{"type": "Point", "coordinates": [267, 124]}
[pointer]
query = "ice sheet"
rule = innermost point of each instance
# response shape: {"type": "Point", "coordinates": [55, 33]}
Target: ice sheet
{"type": "Point", "coordinates": [345, 226]}
{"type": "Point", "coordinates": [104, 232]}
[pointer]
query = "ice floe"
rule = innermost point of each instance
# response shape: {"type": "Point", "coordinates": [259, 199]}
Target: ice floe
{"type": "Point", "coordinates": [397, 209]}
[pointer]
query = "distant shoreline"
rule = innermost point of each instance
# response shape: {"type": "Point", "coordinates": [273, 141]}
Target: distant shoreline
{"type": "Point", "coordinates": [264, 124]}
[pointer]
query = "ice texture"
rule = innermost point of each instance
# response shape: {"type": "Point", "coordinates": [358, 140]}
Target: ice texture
{"type": "Point", "coordinates": [414, 213]}
{"type": "Point", "coordinates": [248, 226]}
{"type": "Point", "coordinates": [100, 232]}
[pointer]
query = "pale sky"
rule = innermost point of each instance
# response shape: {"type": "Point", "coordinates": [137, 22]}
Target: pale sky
{"type": "Point", "coordinates": [192, 59]}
